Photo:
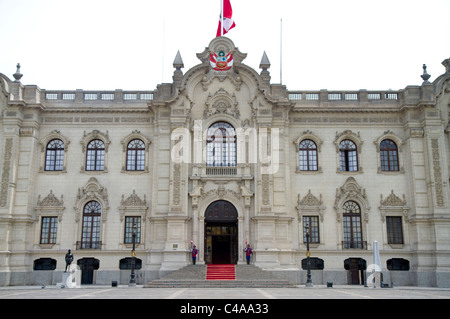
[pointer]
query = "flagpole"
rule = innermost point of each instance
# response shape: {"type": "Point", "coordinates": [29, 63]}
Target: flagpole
{"type": "Point", "coordinates": [163, 48]}
{"type": "Point", "coordinates": [281, 51]}
{"type": "Point", "coordinates": [221, 18]}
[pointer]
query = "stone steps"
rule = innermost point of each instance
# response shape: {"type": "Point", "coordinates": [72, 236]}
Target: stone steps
{"type": "Point", "coordinates": [194, 276]}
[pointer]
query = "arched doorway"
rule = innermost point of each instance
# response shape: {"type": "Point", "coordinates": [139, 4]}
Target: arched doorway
{"type": "Point", "coordinates": [87, 266]}
{"type": "Point", "coordinates": [221, 233]}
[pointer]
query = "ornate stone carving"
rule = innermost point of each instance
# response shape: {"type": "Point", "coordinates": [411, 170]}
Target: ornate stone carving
{"type": "Point", "coordinates": [133, 204]}
{"type": "Point", "coordinates": [6, 172]}
{"type": "Point", "coordinates": [92, 191]}
{"type": "Point", "coordinates": [437, 173]}
{"type": "Point", "coordinates": [50, 206]}
{"type": "Point", "coordinates": [265, 185]}
{"type": "Point", "coordinates": [95, 134]}
{"type": "Point", "coordinates": [221, 102]}
{"type": "Point", "coordinates": [393, 206]}
{"type": "Point", "coordinates": [176, 184]}
{"type": "Point", "coordinates": [50, 201]}
{"type": "Point", "coordinates": [351, 191]}
{"type": "Point", "coordinates": [133, 200]}
{"type": "Point", "coordinates": [221, 192]}
{"type": "Point", "coordinates": [309, 200]}
{"type": "Point", "coordinates": [393, 200]}
{"type": "Point", "coordinates": [310, 204]}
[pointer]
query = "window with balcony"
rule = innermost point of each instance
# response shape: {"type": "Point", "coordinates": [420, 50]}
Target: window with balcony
{"type": "Point", "coordinates": [352, 226]}
{"type": "Point", "coordinates": [90, 238]}
{"type": "Point", "coordinates": [221, 156]}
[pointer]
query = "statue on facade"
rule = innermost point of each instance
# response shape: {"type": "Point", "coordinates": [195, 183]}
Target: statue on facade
{"type": "Point", "coordinates": [69, 259]}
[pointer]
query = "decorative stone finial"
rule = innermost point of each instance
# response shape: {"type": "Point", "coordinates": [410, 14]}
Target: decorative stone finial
{"type": "Point", "coordinates": [17, 75]}
{"type": "Point", "coordinates": [265, 63]}
{"type": "Point", "coordinates": [425, 76]}
{"type": "Point", "coordinates": [178, 62]}
{"type": "Point", "coordinates": [446, 63]}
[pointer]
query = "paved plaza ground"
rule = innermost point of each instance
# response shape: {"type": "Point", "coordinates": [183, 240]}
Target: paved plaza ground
{"type": "Point", "coordinates": [233, 302]}
{"type": "Point", "coordinates": [300, 292]}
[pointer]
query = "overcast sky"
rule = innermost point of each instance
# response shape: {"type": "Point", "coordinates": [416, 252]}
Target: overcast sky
{"type": "Point", "coordinates": [131, 45]}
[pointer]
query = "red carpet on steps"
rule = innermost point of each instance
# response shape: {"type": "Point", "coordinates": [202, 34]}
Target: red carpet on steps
{"type": "Point", "coordinates": [220, 272]}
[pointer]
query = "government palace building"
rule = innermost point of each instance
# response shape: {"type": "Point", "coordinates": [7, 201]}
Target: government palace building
{"type": "Point", "coordinates": [221, 158]}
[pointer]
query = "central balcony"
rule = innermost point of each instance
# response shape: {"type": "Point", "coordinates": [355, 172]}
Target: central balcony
{"type": "Point", "coordinates": [221, 171]}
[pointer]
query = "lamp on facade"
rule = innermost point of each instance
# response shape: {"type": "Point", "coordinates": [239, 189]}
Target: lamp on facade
{"type": "Point", "coordinates": [132, 282]}
{"type": "Point", "coordinates": [308, 261]}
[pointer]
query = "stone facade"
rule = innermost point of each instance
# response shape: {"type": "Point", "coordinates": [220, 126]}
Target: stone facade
{"type": "Point", "coordinates": [347, 186]}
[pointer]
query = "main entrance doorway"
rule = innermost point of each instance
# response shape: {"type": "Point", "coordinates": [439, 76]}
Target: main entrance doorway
{"type": "Point", "coordinates": [221, 233]}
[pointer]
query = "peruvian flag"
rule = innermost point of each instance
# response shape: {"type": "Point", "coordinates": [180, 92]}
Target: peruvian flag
{"type": "Point", "coordinates": [228, 22]}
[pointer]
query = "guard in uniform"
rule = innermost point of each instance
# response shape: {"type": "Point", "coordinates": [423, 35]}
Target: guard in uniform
{"type": "Point", "coordinates": [248, 253]}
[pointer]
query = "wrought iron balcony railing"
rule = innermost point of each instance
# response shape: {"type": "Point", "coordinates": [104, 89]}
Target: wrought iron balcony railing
{"type": "Point", "coordinates": [354, 245]}
{"type": "Point", "coordinates": [89, 245]}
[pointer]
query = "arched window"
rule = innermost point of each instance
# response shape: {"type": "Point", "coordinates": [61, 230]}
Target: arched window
{"type": "Point", "coordinates": [389, 156]}
{"type": "Point", "coordinates": [95, 156]}
{"type": "Point", "coordinates": [352, 225]}
{"type": "Point", "coordinates": [90, 238]}
{"type": "Point", "coordinates": [221, 145]}
{"type": "Point", "coordinates": [136, 155]}
{"type": "Point", "coordinates": [348, 156]}
{"type": "Point", "coordinates": [307, 153]}
{"type": "Point", "coordinates": [54, 155]}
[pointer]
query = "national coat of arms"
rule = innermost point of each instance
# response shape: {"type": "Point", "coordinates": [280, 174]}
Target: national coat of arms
{"type": "Point", "coordinates": [221, 62]}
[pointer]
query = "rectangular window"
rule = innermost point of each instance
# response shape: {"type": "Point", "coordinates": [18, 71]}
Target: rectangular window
{"type": "Point", "coordinates": [49, 226]}
{"type": "Point", "coordinates": [394, 230]}
{"type": "Point", "coordinates": [54, 160]}
{"type": "Point", "coordinates": [348, 161]}
{"type": "Point", "coordinates": [129, 222]}
{"type": "Point", "coordinates": [389, 160]}
{"type": "Point", "coordinates": [135, 160]}
{"type": "Point", "coordinates": [95, 160]}
{"type": "Point", "coordinates": [352, 232]}
{"type": "Point", "coordinates": [91, 232]}
{"type": "Point", "coordinates": [313, 222]}
{"type": "Point", "coordinates": [308, 160]}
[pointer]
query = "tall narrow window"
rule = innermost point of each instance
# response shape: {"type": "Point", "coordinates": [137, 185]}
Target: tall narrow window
{"type": "Point", "coordinates": [95, 156]}
{"type": "Point", "coordinates": [221, 145]}
{"type": "Point", "coordinates": [136, 156]}
{"type": "Point", "coordinates": [394, 229]}
{"type": "Point", "coordinates": [389, 156]}
{"type": "Point", "coordinates": [54, 155]}
{"type": "Point", "coordinates": [90, 238]}
{"type": "Point", "coordinates": [348, 157]}
{"type": "Point", "coordinates": [352, 225]}
{"type": "Point", "coordinates": [307, 154]}
{"type": "Point", "coordinates": [313, 223]}
{"type": "Point", "coordinates": [130, 221]}
{"type": "Point", "coordinates": [48, 230]}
